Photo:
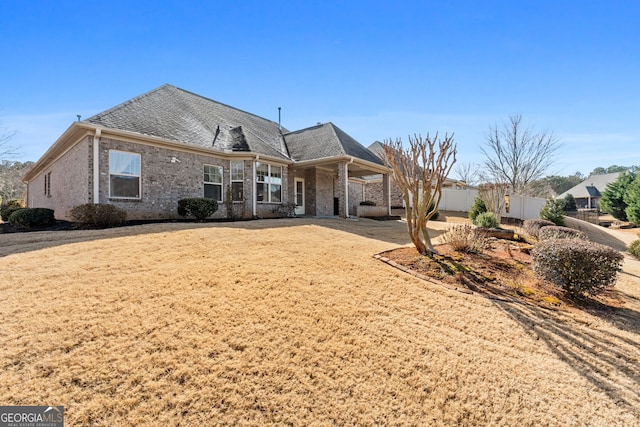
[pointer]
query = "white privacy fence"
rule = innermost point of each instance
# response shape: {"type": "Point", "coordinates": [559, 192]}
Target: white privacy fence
{"type": "Point", "coordinates": [521, 207]}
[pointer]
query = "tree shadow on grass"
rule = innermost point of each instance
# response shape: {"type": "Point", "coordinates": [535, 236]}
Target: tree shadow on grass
{"type": "Point", "coordinates": [609, 360]}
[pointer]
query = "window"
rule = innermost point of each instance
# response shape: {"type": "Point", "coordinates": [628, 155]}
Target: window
{"type": "Point", "coordinates": [213, 182]}
{"type": "Point", "coordinates": [47, 185]}
{"type": "Point", "coordinates": [237, 181]}
{"type": "Point", "coordinates": [269, 183]}
{"type": "Point", "coordinates": [124, 175]}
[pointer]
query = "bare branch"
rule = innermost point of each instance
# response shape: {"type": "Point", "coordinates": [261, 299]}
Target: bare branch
{"type": "Point", "coordinates": [7, 151]}
{"type": "Point", "coordinates": [517, 155]}
{"type": "Point", "coordinates": [420, 171]}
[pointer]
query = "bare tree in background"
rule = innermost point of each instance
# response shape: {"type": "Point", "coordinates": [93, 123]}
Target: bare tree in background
{"type": "Point", "coordinates": [7, 151]}
{"type": "Point", "coordinates": [467, 172]}
{"type": "Point", "coordinates": [419, 172]}
{"type": "Point", "coordinates": [493, 196]}
{"type": "Point", "coordinates": [517, 155]}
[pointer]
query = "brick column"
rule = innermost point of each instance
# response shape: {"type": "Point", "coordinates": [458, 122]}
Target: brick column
{"type": "Point", "coordinates": [342, 192]}
{"type": "Point", "coordinates": [386, 192]}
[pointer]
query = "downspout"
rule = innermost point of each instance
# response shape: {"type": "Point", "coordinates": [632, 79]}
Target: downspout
{"type": "Point", "coordinates": [96, 166]}
{"type": "Point", "coordinates": [255, 189]}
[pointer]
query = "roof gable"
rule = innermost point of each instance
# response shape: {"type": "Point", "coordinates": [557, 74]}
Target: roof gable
{"type": "Point", "coordinates": [323, 141]}
{"type": "Point", "coordinates": [175, 114]}
{"type": "Point", "coordinates": [592, 186]}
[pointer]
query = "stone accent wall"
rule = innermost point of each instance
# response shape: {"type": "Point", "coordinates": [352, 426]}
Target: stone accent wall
{"type": "Point", "coordinates": [70, 180]}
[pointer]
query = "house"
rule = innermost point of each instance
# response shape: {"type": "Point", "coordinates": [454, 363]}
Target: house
{"type": "Point", "coordinates": [589, 191]}
{"type": "Point", "coordinates": [167, 144]}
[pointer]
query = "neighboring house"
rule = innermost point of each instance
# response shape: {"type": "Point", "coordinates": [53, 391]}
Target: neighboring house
{"type": "Point", "coordinates": [167, 144]}
{"type": "Point", "coordinates": [589, 191]}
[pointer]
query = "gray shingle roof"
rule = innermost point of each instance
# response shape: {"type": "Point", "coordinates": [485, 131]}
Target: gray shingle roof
{"type": "Point", "coordinates": [175, 114]}
{"type": "Point", "coordinates": [592, 186]}
{"type": "Point", "coordinates": [325, 140]}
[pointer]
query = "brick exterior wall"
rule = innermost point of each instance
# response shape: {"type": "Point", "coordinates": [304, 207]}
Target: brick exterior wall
{"type": "Point", "coordinates": [164, 183]}
{"type": "Point", "coordinates": [374, 192]}
{"type": "Point", "coordinates": [70, 185]}
{"type": "Point", "coordinates": [355, 196]}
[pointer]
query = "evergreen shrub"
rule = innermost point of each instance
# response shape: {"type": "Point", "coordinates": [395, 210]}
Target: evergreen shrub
{"type": "Point", "coordinates": [199, 207]}
{"type": "Point", "coordinates": [32, 217]}
{"type": "Point", "coordinates": [487, 220]}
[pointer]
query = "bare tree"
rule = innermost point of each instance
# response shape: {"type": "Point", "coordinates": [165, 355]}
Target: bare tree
{"type": "Point", "coordinates": [7, 151]}
{"type": "Point", "coordinates": [467, 172]}
{"type": "Point", "coordinates": [493, 196]}
{"type": "Point", "coordinates": [419, 172]}
{"type": "Point", "coordinates": [517, 155]}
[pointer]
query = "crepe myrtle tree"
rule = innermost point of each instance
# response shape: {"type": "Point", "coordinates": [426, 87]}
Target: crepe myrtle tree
{"type": "Point", "coordinates": [419, 171]}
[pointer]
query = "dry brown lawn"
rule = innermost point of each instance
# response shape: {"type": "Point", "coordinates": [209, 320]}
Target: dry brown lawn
{"type": "Point", "coordinates": [293, 322]}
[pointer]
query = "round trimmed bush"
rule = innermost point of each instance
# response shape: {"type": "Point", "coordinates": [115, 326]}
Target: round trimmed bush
{"type": "Point", "coordinates": [556, 232]}
{"type": "Point", "coordinates": [5, 212]}
{"type": "Point", "coordinates": [486, 220]}
{"type": "Point", "coordinates": [32, 217]}
{"type": "Point", "coordinates": [532, 226]}
{"type": "Point", "coordinates": [200, 207]}
{"type": "Point", "coordinates": [577, 266]}
{"type": "Point", "coordinates": [634, 248]}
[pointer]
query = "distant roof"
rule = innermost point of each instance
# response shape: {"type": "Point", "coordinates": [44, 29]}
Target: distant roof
{"type": "Point", "coordinates": [175, 114]}
{"type": "Point", "coordinates": [325, 140]}
{"type": "Point", "coordinates": [592, 186]}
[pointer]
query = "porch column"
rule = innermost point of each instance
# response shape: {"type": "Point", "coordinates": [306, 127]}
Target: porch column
{"type": "Point", "coordinates": [386, 192]}
{"type": "Point", "coordinates": [343, 189]}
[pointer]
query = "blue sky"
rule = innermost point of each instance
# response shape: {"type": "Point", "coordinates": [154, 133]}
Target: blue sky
{"type": "Point", "coordinates": [377, 69]}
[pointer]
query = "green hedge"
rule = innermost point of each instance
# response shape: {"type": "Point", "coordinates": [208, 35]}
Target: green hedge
{"type": "Point", "coordinates": [32, 217]}
{"type": "Point", "coordinates": [486, 220]}
{"type": "Point", "coordinates": [577, 266]}
{"type": "Point", "coordinates": [6, 212]}
{"type": "Point", "coordinates": [198, 207]}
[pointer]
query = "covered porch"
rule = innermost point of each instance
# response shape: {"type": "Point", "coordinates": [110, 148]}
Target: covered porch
{"type": "Point", "coordinates": [330, 187]}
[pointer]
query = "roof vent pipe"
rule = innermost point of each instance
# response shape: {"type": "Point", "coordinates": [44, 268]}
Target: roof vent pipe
{"type": "Point", "coordinates": [279, 125]}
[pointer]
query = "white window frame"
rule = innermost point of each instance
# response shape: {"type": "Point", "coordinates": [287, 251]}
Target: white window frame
{"type": "Point", "coordinates": [237, 179]}
{"type": "Point", "coordinates": [125, 174]}
{"type": "Point", "coordinates": [269, 181]}
{"type": "Point", "coordinates": [218, 184]}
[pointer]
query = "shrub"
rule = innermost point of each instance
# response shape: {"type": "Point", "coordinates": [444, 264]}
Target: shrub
{"type": "Point", "coordinates": [32, 217]}
{"type": "Point", "coordinates": [532, 226]}
{"type": "Point", "coordinates": [577, 266]}
{"type": "Point", "coordinates": [634, 248]}
{"type": "Point", "coordinates": [465, 238]}
{"type": "Point", "coordinates": [487, 220]}
{"type": "Point", "coordinates": [199, 207]}
{"type": "Point", "coordinates": [98, 215]}
{"type": "Point", "coordinates": [569, 203]}
{"type": "Point", "coordinates": [285, 210]}
{"type": "Point", "coordinates": [555, 232]}
{"type": "Point", "coordinates": [552, 211]}
{"type": "Point", "coordinates": [6, 212]}
{"type": "Point", "coordinates": [477, 208]}
{"type": "Point", "coordinates": [367, 203]}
